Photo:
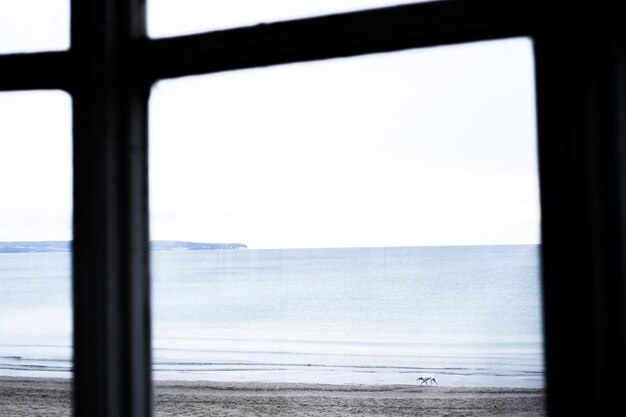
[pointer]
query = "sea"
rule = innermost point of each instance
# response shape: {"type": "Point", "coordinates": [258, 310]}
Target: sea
{"type": "Point", "coordinates": [465, 315]}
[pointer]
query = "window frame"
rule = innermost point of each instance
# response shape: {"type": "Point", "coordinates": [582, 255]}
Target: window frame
{"type": "Point", "coordinates": [580, 65]}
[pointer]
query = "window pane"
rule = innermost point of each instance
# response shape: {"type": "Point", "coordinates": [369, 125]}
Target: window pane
{"type": "Point", "coordinates": [35, 230]}
{"type": "Point", "coordinates": [34, 25]}
{"type": "Point", "coordinates": [389, 209]}
{"type": "Point", "coordinates": [180, 17]}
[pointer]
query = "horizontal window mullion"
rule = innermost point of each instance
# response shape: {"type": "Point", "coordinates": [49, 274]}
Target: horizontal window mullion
{"type": "Point", "coordinates": [381, 30]}
{"type": "Point", "coordinates": [46, 70]}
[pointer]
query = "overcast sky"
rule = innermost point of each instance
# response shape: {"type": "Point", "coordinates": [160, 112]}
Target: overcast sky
{"type": "Point", "coordinates": [426, 147]}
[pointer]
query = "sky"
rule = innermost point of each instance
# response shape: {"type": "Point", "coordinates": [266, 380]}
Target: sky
{"type": "Point", "coordinates": [433, 146]}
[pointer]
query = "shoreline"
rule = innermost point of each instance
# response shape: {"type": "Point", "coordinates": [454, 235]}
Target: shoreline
{"type": "Point", "coordinates": [51, 397]}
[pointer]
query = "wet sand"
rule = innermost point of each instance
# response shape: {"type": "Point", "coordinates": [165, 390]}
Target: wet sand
{"type": "Point", "coordinates": [51, 397]}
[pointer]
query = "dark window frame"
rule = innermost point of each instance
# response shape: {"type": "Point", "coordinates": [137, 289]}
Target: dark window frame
{"type": "Point", "coordinates": [580, 57]}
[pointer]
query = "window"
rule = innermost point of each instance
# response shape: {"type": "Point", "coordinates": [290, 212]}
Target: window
{"type": "Point", "coordinates": [35, 25]}
{"type": "Point", "coordinates": [579, 51]}
{"type": "Point", "coordinates": [35, 251]}
{"type": "Point", "coordinates": [382, 243]}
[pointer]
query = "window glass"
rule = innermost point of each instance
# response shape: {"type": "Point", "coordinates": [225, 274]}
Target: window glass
{"type": "Point", "coordinates": [180, 17]}
{"type": "Point", "coordinates": [359, 223]}
{"type": "Point", "coordinates": [34, 25]}
{"type": "Point", "coordinates": [35, 234]}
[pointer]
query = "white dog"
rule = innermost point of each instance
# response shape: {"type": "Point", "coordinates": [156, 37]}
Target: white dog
{"type": "Point", "coordinates": [428, 380]}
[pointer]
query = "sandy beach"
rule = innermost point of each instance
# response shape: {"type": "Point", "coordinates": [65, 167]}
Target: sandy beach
{"type": "Point", "coordinates": [51, 397]}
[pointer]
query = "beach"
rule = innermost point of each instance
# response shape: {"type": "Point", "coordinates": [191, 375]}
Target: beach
{"type": "Point", "coordinates": [51, 397]}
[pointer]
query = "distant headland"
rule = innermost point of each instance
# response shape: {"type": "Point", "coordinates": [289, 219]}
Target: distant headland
{"type": "Point", "coordinates": [66, 246]}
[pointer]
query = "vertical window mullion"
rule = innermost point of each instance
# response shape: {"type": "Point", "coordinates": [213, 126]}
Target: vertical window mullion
{"type": "Point", "coordinates": [581, 113]}
{"type": "Point", "coordinates": [111, 300]}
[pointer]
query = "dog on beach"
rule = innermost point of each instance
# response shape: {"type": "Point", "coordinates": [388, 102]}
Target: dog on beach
{"type": "Point", "coordinates": [428, 380]}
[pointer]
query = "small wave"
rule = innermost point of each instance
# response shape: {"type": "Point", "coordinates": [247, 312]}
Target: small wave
{"type": "Point", "coordinates": [290, 364]}
{"type": "Point", "coordinates": [190, 370]}
{"type": "Point", "coordinates": [14, 367]}
{"type": "Point", "coordinates": [323, 365]}
{"type": "Point", "coordinates": [33, 359]}
{"type": "Point", "coordinates": [263, 366]}
{"type": "Point", "coordinates": [296, 365]}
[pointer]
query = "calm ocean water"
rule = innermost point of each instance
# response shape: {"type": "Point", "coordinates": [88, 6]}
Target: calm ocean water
{"type": "Point", "coordinates": [469, 316]}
